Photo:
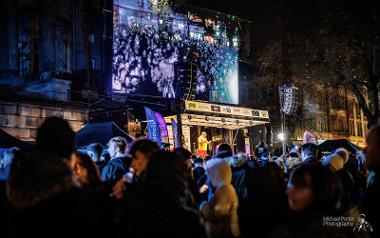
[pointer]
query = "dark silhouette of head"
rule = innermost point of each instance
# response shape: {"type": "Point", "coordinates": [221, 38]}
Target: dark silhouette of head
{"type": "Point", "coordinates": [185, 156]}
{"type": "Point", "coordinates": [145, 146]}
{"type": "Point", "coordinates": [325, 187]}
{"type": "Point", "coordinates": [165, 178]}
{"type": "Point", "coordinates": [55, 138]}
{"type": "Point", "coordinates": [141, 151]}
{"type": "Point", "coordinates": [224, 150]}
{"type": "Point", "coordinates": [95, 151]}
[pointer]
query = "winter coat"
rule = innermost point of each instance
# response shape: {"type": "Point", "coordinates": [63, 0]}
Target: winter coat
{"type": "Point", "coordinates": [115, 169]}
{"type": "Point", "coordinates": [101, 164]}
{"type": "Point", "coordinates": [155, 219]}
{"type": "Point", "coordinates": [44, 200]}
{"type": "Point", "coordinates": [221, 211]}
{"type": "Point", "coordinates": [198, 172]}
{"type": "Point", "coordinates": [156, 206]}
{"type": "Point", "coordinates": [239, 169]}
{"type": "Point", "coordinates": [266, 206]}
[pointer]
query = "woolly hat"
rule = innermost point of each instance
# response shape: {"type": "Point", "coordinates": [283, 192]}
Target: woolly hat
{"type": "Point", "coordinates": [337, 159]}
{"type": "Point", "coordinates": [343, 153]}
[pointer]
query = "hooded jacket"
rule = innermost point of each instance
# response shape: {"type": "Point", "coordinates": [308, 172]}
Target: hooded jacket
{"type": "Point", "coordinates": [221, 211]}
{"type": "Point", "coordinates": [239, 167]}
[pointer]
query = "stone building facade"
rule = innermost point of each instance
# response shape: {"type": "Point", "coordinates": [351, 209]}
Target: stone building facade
{"type": "Point", "coordinates": [327, 112]}
{"type": "Point", "coordinates": [332, 113]}
{"type": "Point", "coordinates": [22, 119]}
{"type": "Point", "coordinates": [55, 56]}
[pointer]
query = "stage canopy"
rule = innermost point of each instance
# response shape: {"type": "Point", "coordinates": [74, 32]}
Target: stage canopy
{"type": "Point", "coordinates": [100, 133]}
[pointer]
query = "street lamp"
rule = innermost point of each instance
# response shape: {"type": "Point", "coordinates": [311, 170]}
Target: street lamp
{"type": "Point", "coordinates": [282, 137]}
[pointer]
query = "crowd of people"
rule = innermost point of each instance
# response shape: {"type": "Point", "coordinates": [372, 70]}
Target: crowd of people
{"type": "Point", "coordinates": [139, 190]}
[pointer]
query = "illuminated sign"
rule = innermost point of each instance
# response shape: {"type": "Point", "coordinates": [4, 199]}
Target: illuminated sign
{"type": "Point", "coordinates": [228, 110]}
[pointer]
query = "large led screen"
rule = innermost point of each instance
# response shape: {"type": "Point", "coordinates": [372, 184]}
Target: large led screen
{"type": "Point", "coordinates": [151, 56]}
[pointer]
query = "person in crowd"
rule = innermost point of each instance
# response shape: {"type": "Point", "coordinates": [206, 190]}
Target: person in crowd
{"type": "Point", "coordinates": [280, 162]}
{"type": "Point", "coordinates": [198, 170]}
{"type": "Point", "coordinates": [43, 196]}
{"type": "Point", "coordinates": [85, 170]}
{"type": "Point", "coordinates": [309, 149]}
{"type": "Point", "coordinates": [202, 144]}
{"type": "Point", "coordinates": [95, 151]}
{"type": "Point", "coordinates": [314, 193]}
{"type": "Point", "coordinates": [207, 158]}
{"type": "Point", "coordinates": [141, 150]}
{"type": "Point", "coordinates": [161, 210]}
{"type": "Point", "coordinates": [119, 163]}
{"type": "Point", "coordinates": [220, 211]}
{"type": "Point", "coordinates": [309, 154]}
{"type": "Point", "coordinates": [260, 149]}
{"type": "Point", "coordinates": [105, 157]}
{"type": "Point", "coordinates": [292, 161]}
{"type": "Point", "coordinates": [372, 196]}
{"type": "Point", "coordinates": [86, 173]}
{"type": "Point", "coordinates": [336, 161]}
{"type": "Point", "coordinates": [252, 162]}
{"type": "Point", "coordinates": [266, 205]}
{"type": "Point", "coordinates": [239, 167]}
{"type": "Point", "coordinates": [264, 159]}
{"type": "Point", "coordinates": [200, 177]}
{"type": "Point", "coordinates": [6, 161]}
{"type": "Point", "coordinates": [358, 171]}
{"type": "Point", "coordinates": [291, 147]}
{"type": "Point", "coordinates": [185, 156]}
{"type": "Point", "coordinates": [223, 150]}
{"type": "Point", "coordinates": [55, 138]}
{"type": "Point", "coordinates": [4, 210]}
{"type": "Point", "coordinates": [165, 146]}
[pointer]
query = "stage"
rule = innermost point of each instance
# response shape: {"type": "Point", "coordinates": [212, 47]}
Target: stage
{"type": "Point", "coordinates": [222, 123]}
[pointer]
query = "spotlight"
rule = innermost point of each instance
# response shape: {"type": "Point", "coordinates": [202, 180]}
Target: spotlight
{"type": "Point", "coordinates": [281, 136]}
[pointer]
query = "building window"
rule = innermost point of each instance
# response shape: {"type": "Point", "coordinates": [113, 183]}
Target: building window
{"type": "Point", "coordinates": [360, 131]}
{"type": "Point", "coordinates": [351, 126]}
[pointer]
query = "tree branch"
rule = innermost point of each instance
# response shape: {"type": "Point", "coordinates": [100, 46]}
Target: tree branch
{"type": "Point", "coordinates": [362, 101]}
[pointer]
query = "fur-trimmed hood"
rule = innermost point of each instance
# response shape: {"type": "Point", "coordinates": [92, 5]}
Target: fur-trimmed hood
{"type": "Point", "coordinates": [33, 179]}
{"type": "Point", "coordinates": [219, 172]}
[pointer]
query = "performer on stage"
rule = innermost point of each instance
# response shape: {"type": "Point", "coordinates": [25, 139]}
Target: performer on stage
{"type": "Point", "coordinates": [202, 145]}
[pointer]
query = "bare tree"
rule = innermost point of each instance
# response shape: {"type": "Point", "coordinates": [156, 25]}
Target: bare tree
{"type": "Point", "coordinates": [336, 44]}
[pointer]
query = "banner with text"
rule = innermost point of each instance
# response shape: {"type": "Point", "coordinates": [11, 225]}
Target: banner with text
{"type": "Point", "coordinates": [154, 132]}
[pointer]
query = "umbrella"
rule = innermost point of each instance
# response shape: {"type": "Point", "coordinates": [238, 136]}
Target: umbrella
{"type": "Point", "coordinates": [8, 141]}
{"type": "Point", "coordinates": [100, 133]}
{"type": "Point", "coordinates": [331, 145]}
